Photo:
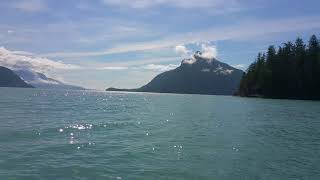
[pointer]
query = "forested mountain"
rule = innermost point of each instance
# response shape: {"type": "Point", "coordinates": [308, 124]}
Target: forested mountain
{"type": "Point", "coordinates": [9, 79]}
{"type": "Point", "coordinates": [289, 71]}
{"type": "Point", "coordinates": [197, 75]}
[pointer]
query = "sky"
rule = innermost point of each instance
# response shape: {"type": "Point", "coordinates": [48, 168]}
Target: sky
{"type": "Point", "coordinates": [125, 43]}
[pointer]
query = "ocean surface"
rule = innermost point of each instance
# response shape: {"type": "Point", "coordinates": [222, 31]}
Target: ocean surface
{"type": "Point", "coordinates": [61, 135]}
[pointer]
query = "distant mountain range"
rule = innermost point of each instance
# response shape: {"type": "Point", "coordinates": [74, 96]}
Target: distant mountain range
{"type": "Point", "coordinates": [28, 68]}
{"type": "Point", "coordinates": [197, 75]}
{"type": "Point", "coordinates": [9, 79]}
{"type": "Point", "coordinates": [40, 80]}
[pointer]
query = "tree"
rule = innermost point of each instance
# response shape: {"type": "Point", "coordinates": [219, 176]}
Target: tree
{"type": "Point", "coordinates": [313, 66]}
{"type": "Point", "coordinates": [269, 70]}
{"type": "Point", "coordinates": [291, 71]}
{"type": "Point", "coordinates": [300, 55]}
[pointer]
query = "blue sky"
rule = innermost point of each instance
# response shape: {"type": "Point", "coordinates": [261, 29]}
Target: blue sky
{"type": "Point", "coordinates": [125, 43]}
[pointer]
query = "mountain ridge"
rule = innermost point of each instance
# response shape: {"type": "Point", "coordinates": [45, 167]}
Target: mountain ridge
{"type": "Point", "coordinates": [197, 75]}
{"type": "Point", "coordinates": [40, 80]}
{"type": "Point", "coordinates": [9, 79]}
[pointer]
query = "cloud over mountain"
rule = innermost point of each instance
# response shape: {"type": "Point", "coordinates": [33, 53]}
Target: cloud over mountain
{"type": "Point", "coordinates": [24, 60]}
{"type": "Point", "coordinates": [181, 50]}
{"type": "Point", "coordinates": [159, 67]}
{"type": "Point", "coordinates": [208, 51]}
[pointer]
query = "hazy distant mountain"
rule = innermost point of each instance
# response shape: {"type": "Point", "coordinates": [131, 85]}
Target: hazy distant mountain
{"type": "Point", "coordinates": [197, 75]}
{"type": "Point", "coordinates": [40, 80]}
{"type": "Point", "coordinates": [9, 79]}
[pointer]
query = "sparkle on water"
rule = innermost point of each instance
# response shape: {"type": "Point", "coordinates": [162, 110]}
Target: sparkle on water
{"type": "Point", "coordinates": [46, 134]}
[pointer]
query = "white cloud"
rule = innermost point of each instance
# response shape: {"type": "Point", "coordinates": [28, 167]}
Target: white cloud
{"type": "Point", "coordinates": [30, 5]}
{"type": "Point", "coordinates": [84, 6]}
{"type": "Point", "coordinates": [10, 31]}
{"type": "Point", "coordinates": [23, 53]}
{"type": "Point", "coordinates": [127, 64]}
{"type": "Point", "coordinates": [186, 4]}
{"type": "Point", "coordinates": [181, 50]}
{"type": "Point", "coordinates": [235, 32]}
{"type": "Point", "coordinates": [159, 67]}
{"type": "Point", "coordinates": [113, 68]}
{"type": "Point", "coordinates": [208, 51]}
{"type": "Point", "coordinates": [240, 66]}
{"type": "Point", "coordinates": [24, 60]}
{"type": "Point", "coordinates": [149, 67]}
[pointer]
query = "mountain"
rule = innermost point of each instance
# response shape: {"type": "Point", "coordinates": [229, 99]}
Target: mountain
{"type": "Point", "coordinates": [40, 80]}
{"type": "Point", "coordinates": [197, 75]}
{"type": "Point", "coordinates": [9, 79]}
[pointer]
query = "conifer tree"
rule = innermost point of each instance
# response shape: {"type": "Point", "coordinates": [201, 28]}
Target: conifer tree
{"type": "Point", "coordinates": [291, 71]}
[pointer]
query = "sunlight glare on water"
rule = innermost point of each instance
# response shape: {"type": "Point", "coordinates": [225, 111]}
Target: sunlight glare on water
{"type": "Point", "coordinates": [99, 135]}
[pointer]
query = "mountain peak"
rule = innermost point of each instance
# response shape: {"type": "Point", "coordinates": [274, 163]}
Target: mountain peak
{"type": "Point", "coordinates": [199, 57]}
{"type": "Point", "coordinates": [197, 75]}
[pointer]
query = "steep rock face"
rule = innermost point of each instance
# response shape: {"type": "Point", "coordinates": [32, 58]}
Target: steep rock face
{"type": "Point", "coordinates": [197, 75]}
{"type": "Point", "coordinates": [9, 79]}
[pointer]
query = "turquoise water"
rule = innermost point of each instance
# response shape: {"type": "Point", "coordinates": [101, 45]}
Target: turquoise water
{"type": "Point", "coordinates": [100, 135]}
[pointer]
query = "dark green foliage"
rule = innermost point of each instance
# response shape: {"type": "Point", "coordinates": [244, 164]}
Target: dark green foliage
{"type": "Point", "coordinates": [292, 71]}
{"type": "Point", "coordinates": [9, 79]}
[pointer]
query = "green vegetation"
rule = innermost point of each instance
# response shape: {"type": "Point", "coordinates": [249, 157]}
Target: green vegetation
{"type": "Point", "coordinates": [291, 71]}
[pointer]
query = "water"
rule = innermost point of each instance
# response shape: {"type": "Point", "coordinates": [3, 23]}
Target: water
{"type": "Point", "coordinates": [99, 135]}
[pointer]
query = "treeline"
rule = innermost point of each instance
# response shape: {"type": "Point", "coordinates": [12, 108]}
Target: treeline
{"type": "Point", "coordinates": [290, 71]}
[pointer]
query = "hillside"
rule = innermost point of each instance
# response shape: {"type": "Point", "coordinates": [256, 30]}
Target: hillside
{"type": "Point", "coordinates": [196, 75]}
{"type": "Point", "coordinates": [9, 79]}
{"type": "Point", "coordinates": [40, 80]}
